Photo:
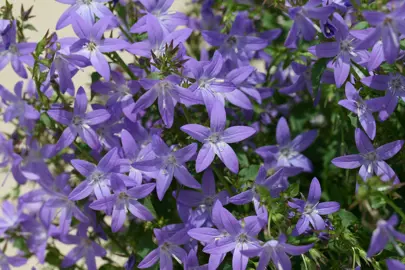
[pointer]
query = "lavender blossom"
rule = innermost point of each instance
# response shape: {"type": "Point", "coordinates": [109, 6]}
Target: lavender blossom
{"type": "Point", "coordinates": [287, 152]}
{"type": "Point", "coordinates": [79, 122]}
{"type": "Point", "coordinates": [370, 160]}
{"type": "Point", "coordinates": [216, 139]}
{"type": "Point", "coordinates": [384, 234]}
{"type": "Point", "coordinates": [311, 210]}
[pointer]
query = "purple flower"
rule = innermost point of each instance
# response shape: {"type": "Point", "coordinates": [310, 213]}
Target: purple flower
{"type": "Point", "coordinates": [230, 235]}
{"type": "Point", "coordinates": [278, 182]}
{"type": "Point", "coordinates": [370, 160]}
{"type": "Point", "coordinates": [393, 84]}
{"type": "Point", "coordinates": [394, 264]}
{"type": "Point", "coordinates": [168, 248]}
{"type": "Point", "coordinates": [135, 153]}
{"type": "Point", "coordinates": [276, 251]}
{"type": "Point", "coordinates": [6, 261]}
{"type": "Point", "coordinates": [12, 217]}
{"type": "Point", "coordinates": [384, 234]}
{"type": "Point", "coordinates": [158, 39]}
{"type": "Point", "coordinates": [15, 53]}
{"type": "Point", "coordinates": [38, 237]}
{"type": "Point", "coordinates": [302, 24]}
{"type": "Point", "coordinates": [209, 87]}
{"type": "Point", "coordinates": [191, 262]}
{"type": "Point", "coordinates": [288, 153]}
{"type": "Point", "coordinates": [388, 27]}
{"type": "Point", "coordinates": [57, 203]}
{"type": "Point", "coordinates": [66, 65]}
{"type": "Point", "coordinates": [17, 106]}
{"type": "Point", "coordinates": [216, 138]}
{"type": "Point", "coordinates": [363, 108]}
{"type": "Point", "coordinates": [97, 177]}
{"type": "Point", "coordinates": [92, 46]}
{"type": "Point", "coordinates": [168, 92]}
{"type": "Point", "coordinates": [84, 248]}
{"type": "Point", "coordinates": [205, 200]}
{"type": "Point", "coordinates": [119, 91]}
{"type": "Point", "coordinates": [311, 210]}
{"type": "Point", "coordinates": [79, 122]}
{"type": "Point", "coordinates": [342, 50]}
{"type": "Point", "coordinates": [169, 163]}
{"type": "Point", "coordinates": [237, 46]}
{"type": "Point", "coordinates": [124, 200]}
{"type": "Point", "coordinates": [159, 10]}
{"type": "Point", "coordinates": [251, 194]}
{"type": "Point", "coordinates": [86, 9]}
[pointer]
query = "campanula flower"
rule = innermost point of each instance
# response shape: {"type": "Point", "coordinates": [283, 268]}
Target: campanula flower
{"type": "Point", "coordinates": [216, 140]}
{"type": "Point", "coordinates": [370, 160]}
{"type": "Point", "coordinates": [287, 152]}
{"type": "Point", "coordinates": [276, 251]}
{"type": "Point", "coordinates": [385, 233]}
{"type": "Point", "coordinates": [79, 122]}
{"type": "Point", "coordinates": [311, 209]}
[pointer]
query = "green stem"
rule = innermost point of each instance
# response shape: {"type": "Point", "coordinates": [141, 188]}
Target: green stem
{"type": "Point", "coordinates": [305, 262]}
{"type": "Point", "coordinates": [394, 206]}
{"type": "Point", "coordinates": [116, 58]}
{"type": "Point", "coordinates": [354, 259]}
{"type": "Point", "coordinates": [222, 179]}
{"type": "Point", "coordinates": [116, 242]}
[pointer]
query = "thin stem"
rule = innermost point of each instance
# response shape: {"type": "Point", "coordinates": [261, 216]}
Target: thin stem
{"type": "Point", "coordinates": [305, 262]}
{"type": "Point", "coordinates": [116, 58]}
{"type": "Point", "coordinates": [394, 206]}
{"type": "Point", "coordinates": [112, 238]}
{"type": "Point", "coordinates": [354, 259]}
{"type": "Point", "coordinates": [222, 178]}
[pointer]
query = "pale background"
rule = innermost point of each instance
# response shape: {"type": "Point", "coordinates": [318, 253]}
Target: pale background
{"type": "Point", "coordinates": [47, 13]}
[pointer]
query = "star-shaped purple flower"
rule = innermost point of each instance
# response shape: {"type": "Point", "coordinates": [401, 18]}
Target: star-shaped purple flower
{"type": "Point", "coordinates": [370, 160]}
{"type": "Point", "coordinates": [288, 153]}
{"type": "Point", "coordinates": [362, 108]}
{"type": "Point", "coordinates": [79, 122]}
{"type": "Point", "coordinates": [169, 163]}
{"type": "Point", "coordinates": [276, 251]}
{"type": "Point", "coordinates": [216, 140]}
{"type": "Point", "coordinates": [385, 233]}
{"type": "Point", "coordinates": [311, 210]}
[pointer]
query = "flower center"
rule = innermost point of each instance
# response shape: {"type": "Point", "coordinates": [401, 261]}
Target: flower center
{"type": "Point", "coordinates": [164, 86]}
{"type": "Point", "coordinates": [243, 238]}
{"type": "Point", "coordinates": [309, 208]}
{"type": "Point", "coordinates": [371, 156]}
{"type": "Point", "coordinates": [123, 196]}
{"type": "Point", "coordinates": [97, 177]}
{"type": "Point", "coordinates": [171, 160]}
{"type": "Point", "coordinates": [91, 46]}
{"type": "Point", "coordinates": [214, 137]}
{"type": "Point", "coordinates": [84, 2]}
{"type": "Point", "coordinates": [396, 84]}
{"type": "Point", "coordinates": [361, 108]}
{"type": "Point", "coordinates": [231, 41]}
{"type": "Point", "coordinates": [346, 46]}
{"type": "Point", "coordinates": [77, 121]}
{"type": "Point", "coordinates": [287, 152]}
{"type": "Point", "coordinates": [13, 49]}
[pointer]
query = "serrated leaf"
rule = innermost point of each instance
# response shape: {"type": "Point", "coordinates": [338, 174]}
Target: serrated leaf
{"type": "Point", "coordinates": [347, 218]}
{"type": "Point", "coordinates": [249, 173]}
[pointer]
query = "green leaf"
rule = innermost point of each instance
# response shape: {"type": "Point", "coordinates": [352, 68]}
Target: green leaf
{"type": "Point", "coordinates": [361, 25]}
{"type": "Point", "coordinates": [316, 75]}
{"type": "Point", "coordinates": [243, 160]}
{"type": "Point", "coordinates": [293, 190]}
{"type": "Point", "coordinates": [347, 218]}
{"type": "Point", "coordinates": [249, 173]}
{"type": "Point", "coordinates": [147, 202]}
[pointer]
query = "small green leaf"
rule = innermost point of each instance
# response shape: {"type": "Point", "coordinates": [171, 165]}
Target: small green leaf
{"type": "Point", "coordinates": [348, 218]}
{"type": "Point", "coordinates": [147, 202]}
{"type": "Point", "coordinates": [316, 75]}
